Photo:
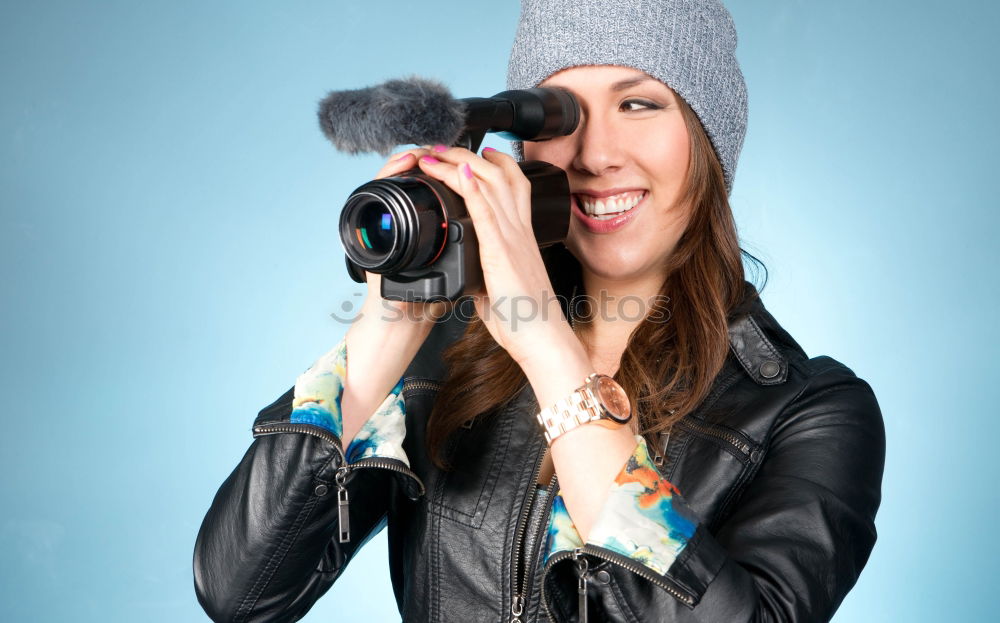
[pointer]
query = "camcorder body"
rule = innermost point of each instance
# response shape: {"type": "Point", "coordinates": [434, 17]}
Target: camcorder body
{"type": "Point", "coordinates": [415, 231]}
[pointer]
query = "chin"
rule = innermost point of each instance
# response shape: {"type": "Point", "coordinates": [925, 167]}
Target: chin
{"type": "Point", "coordinates": [603, 265]}
{"type": "Point", "coordinates": [614, 273]}
{"type": "Point", "coordinates": [613, 265]}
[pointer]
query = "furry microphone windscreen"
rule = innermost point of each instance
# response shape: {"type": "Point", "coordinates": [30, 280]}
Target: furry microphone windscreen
{"type": "Point", "coordinates": [398, 112]}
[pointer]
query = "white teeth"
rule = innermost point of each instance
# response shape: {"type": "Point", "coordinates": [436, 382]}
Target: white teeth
{"type": "Point", "coordinates": [610, 206]}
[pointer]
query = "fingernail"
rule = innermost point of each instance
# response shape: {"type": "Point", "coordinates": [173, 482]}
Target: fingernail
{"type": "Point", "coordinates": [486, 149]}
{"type": "Point", "coordinates": [430, 160]}
{"type": "Point", "coordinates": [403, 157]}
{"type": "Point", "coordinates": [440, 148]}
{"type": "Point", "coordinates": [467, 171]}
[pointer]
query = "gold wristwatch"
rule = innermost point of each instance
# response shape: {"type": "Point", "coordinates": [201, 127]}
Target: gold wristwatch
{"type": "Point", "coordinates": [600, 398]}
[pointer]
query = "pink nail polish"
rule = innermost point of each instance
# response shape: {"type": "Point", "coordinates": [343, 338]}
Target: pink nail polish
{"type": "Point", "coordinates": [467, 171]}
{"type": "Point", "coordinates": [485, 149]}
{"type": "Point", "coordinates": [403, 157]}
{"type": "Point", "coordinates": [440, 148]}
{"type": "Point", "coordinates": [430, 160]}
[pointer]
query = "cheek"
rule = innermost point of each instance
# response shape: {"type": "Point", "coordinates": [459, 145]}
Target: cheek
{"type": "Point", "coordinates": [664, 152]}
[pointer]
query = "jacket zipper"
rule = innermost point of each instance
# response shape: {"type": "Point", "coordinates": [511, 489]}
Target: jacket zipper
{"type": "Point", "coordinates": [523, 562]}
{"type": "Point", "coordinates": [343, 511]}
{"type": "Point", "coordinates": [342, 473]}
{"type": "Point", "coordinates": [308, 429]}
{"type": "Point", "coordinates": [582, 568]}
{"type": "Point", "coordinates": [394, 465]}
{"type": "Point", "coordinates": [411, 385]}
{"type": "Point", "coordinates": [622, 561]}
{"type": "Point", "coordinates": [340, 481]}
{"type": "Point", "coordinates": [741, 446]}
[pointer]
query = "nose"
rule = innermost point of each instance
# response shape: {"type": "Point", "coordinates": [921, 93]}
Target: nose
{"type": "Point", "coordinates": [599, 148]}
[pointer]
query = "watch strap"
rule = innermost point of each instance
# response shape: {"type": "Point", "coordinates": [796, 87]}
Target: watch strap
{"type": "Point", "coordinates": [577, 409]}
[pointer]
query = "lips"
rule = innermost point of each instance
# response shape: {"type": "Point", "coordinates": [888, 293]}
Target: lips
{"type": "Point", "coordinates": [608, 222]}
{"type": "Point", "coordinates": [607, 206]}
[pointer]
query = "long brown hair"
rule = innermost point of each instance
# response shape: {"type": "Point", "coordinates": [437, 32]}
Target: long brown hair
{"type": "Point", "coordinates": [667, 367]}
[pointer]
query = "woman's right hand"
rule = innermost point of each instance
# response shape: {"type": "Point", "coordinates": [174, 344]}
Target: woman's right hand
{"type": "Point", "coordinates": [385, 335]}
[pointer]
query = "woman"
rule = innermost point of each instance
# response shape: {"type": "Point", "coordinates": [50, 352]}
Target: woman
{"type": "Point", "coordinates": [723, 476]}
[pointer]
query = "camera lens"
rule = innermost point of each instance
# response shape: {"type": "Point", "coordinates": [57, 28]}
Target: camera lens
{"type": "Point", "coordinates": [374, 229]}
{"type": "Point", "coordinates": [394, 224]}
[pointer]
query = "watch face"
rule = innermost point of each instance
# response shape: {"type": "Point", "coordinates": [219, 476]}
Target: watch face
{"type": "Point", "coordinates": [614, 399]}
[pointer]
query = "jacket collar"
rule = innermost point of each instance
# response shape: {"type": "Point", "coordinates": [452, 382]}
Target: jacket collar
{"type": "Point", "coordinates": [749, 328]}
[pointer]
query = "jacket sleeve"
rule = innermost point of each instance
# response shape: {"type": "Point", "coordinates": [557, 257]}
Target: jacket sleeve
{"type": "Point", "coordinates": [286, 522]}
{"type": "Point", "coordinates": [791, 550]}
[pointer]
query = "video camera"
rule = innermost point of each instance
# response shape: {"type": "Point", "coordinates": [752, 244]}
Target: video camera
{"type": "Point", "coordinates": [411, 228]}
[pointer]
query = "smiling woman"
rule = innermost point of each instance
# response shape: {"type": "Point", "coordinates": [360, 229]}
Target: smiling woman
{"type": "Point", "coordinates": [686, 463]}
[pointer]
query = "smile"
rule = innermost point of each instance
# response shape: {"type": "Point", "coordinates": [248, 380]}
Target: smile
{"type": "Point", "coordinates": [606, 208]}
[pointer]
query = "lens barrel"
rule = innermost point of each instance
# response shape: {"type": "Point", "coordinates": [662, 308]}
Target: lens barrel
{"type": "Point", "coordinates": [393, 225]}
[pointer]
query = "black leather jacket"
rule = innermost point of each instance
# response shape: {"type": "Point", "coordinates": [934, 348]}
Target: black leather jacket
{"type": "Point", "coordinates": [782, 463]}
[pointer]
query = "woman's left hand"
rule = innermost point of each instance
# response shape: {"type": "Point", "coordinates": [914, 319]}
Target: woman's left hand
{"type": "Point", "coordinates": [521, 312]}
{"type": "Point", "coordinates": [519, 307]}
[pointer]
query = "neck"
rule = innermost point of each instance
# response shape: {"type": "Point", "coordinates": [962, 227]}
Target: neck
{"type": "Point", "coordinates": [618, 307]}
{"type": "Point", "coordinates": [621, 302]}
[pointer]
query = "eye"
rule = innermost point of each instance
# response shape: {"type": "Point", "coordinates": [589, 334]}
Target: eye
{"type": "Point", "coordinates": [636, 105]}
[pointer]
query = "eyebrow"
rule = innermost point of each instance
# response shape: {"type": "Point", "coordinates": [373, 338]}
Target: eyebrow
{"type": "Point", "coordinates": [621, 85]}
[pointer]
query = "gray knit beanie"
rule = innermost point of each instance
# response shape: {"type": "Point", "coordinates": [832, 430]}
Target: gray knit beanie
{"type": "Point", "coordinates": [689, 45]}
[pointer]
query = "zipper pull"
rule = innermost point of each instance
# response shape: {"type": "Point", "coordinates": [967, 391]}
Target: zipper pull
{"type": "Point", "coordinates": [581, 587]}
{"type": "Point", "coordinates": [343, 516]}
{"type": "Point", "coordinates": [664, 439]}
{"type": "Point", "coordinates": [517, 609]}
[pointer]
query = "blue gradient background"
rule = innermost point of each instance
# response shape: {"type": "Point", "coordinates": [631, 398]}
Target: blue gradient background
{"type": "Point", "coordinates": [170, 260]}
